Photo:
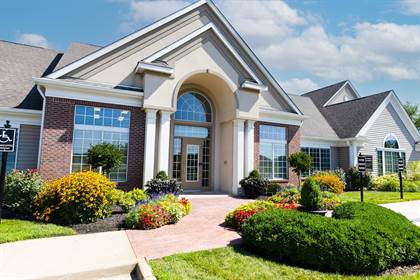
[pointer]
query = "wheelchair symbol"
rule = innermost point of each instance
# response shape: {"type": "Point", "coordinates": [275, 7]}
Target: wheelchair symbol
{"type": "Point", "coordinates": [4, 138]}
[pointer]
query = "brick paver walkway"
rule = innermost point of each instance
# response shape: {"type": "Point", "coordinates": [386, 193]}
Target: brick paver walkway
{"type": "Point", "coordinates": [200, 230]}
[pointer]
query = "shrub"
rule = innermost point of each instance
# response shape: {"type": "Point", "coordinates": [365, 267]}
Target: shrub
{"type": "Point", "coordinates": [311, 196]}
{"type": "Point", "coordinates": [413, 170]}
{"type": "Point", "coordinates": [160, 185]}
{"type": "Point", "coordinates": [127, 200]}
{"type": "Point", "coordinates": [236, 217]}
{"type": "Point", "coordinates": [137, 195]}
{"type": "Point", "coordinates": [330, 200]}
{"type": "Point", "coordinates": [255, 173]}
{"type": "Point", "coordinates": [391, 183]}
{"type": "Point", "coordinates": [273, 188]}
{"type": "Point", "coordinates": [353, 179]}
{"type": "Point", "coordinates": [76, 198]}
{"type": "Point", "coordinates": [147, 216]}
{"type": "Point", "coordinates": [286, 196]}
{"type": "Point", "coordinates": [329, 182]}
{"type": "Point", "coordinates": [361, 239]}
{"type": "Point", "coordinates": [21, 189]}
{"type": "Point", "coordinates": [300, 162]}
{"type": "Point", "coordinates": [254, 186]}
{"type": "Point", "coordinates": [105, 155]}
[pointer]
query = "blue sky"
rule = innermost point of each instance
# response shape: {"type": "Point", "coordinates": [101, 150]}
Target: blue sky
{"type": "Point", "coordinates": [305, 43]}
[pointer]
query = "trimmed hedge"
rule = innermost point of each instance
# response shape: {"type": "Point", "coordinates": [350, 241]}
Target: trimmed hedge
{"type": "Point", "coordinates": [362, 238]}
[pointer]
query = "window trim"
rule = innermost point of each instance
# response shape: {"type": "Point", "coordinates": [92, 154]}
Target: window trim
{"type": "Point", "coordinates": [272, 142]}
{"type": "Point", "coordinates": [320, 158]}
{"type": "Point", "coordinates": [383, 150]}
{"type": "Point", "coordinates": [101, 128]}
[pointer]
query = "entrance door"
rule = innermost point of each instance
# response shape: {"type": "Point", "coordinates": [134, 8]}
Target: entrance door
{"type": "Point", "coordinates": [191, 171]}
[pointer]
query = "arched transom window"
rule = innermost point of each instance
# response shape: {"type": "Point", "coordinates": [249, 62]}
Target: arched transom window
{"type": "Point", "coordinates": [193, 107]}
{"type": "Point", "coordinates": [391, 142]}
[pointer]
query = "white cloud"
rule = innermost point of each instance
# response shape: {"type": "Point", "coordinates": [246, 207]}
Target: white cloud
{"type": "Point", "coordinates": [291, 40]}
{"type": "Point", "coordinates": [298, 86]}
{"type": "Point", "coordinates": [410, 7]}
{"type": "Point", "coordinates": [33, 39]}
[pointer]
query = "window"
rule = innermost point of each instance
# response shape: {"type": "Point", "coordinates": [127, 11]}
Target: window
{"type": "Point", "coordinates": [273, 152]}
{"type": "Point", "coordinates": [388, 156]}
{"type": "Point", "coordinates": [193, 107]}
{"type": "Point", "coordinates": [176, 162]}
{"type": "Point", "coordinates": [321, 158]}
{"type": "Point", "coordinates": [391, 142]}
{"type": "Point", "coordinates": [94, 125]}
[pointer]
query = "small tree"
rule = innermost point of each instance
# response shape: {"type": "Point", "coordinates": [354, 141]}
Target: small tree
{"type": "Point", "coordinates": [300, 162]}
{"type": "Point", "coordinates": [105, 155]}
{"type": "Point", "coordinates": [311, 196]}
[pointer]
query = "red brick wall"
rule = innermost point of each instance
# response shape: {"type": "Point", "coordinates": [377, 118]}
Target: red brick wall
{"type": "Point", "coordinates": [57, 139]}
{"type": "Point", "coordinates": [293, 139]}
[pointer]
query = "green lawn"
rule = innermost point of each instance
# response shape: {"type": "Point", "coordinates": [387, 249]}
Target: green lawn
{"type": "Point", "coordinates": [235, 263]}
{"type": "Point", "coordinates": [379, 197]}
{"type": "Point", "coordinates": [15, 230]}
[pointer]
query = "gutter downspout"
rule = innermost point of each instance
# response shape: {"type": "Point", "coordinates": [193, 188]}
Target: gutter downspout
{"type": "Point", "coordinates": [41, 133]}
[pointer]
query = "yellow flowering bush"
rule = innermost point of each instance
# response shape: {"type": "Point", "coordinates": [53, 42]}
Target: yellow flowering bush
{"type": "Point", "coordinates": [329, 182]}
{"type": "Point", "coordinates": [76, 198]}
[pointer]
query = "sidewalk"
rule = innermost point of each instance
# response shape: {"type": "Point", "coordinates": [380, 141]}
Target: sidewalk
{"type": "Point", "coordinates": [88, 255]}
{"type": "Point", "coordinates": [410, 209]}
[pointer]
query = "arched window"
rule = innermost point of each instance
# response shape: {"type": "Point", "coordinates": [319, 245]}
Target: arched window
{"type": "Point", "coordinates": [391, 142]}
{"type": "Point", "coordinates": [193, 107]}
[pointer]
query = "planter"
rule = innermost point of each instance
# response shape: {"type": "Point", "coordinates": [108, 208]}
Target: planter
{"type": "Point", "coordinates": [319, 212]}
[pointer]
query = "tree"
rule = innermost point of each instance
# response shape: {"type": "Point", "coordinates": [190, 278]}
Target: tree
{"type": "Point", "coordinates": [413, 112]}
{"type": "Point", "coordinates": [300, 162]}
{"type": "Point", "coordinates": [106, 156]}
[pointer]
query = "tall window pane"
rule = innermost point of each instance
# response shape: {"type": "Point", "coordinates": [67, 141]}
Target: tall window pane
{"type": "Point", "coordinates": [273, 152]}
{"type": "Point", "coordinates": [321, 158]}
{"type": "Point", "coordinates": [94, 125]}
{"type": "Point", "coordinates": [380, 164]}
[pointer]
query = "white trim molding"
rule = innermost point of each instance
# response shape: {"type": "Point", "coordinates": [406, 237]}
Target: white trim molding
{"type": "Point", "coordinates": [153, 67]}
{"type": "Point", "coordinates": [20, 116]}
{"type": "Point", "coordinates": [198, 32]}
{"type": "Point", "coordinates": [282, 117]}
{"type": "Point", "coordinates": [111, 47]}
{"type": "Point", "coordinates": [396, 104]}
{"type": "Point", "coordinates": [347, 83]}
{"type": "Point", "coordinates": [104, 93]}
{"type": "Point", "coordinates": [249, 85]}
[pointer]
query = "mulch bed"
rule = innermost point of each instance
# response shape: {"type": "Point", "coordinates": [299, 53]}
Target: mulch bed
{"type": "Point", "coordinates": [113, 223]}
{"type": "Point", "coordinates": [402, 270]}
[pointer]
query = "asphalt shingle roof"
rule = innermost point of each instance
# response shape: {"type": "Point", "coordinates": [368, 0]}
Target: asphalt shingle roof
{"type": "Point", "coordinates": [322, 95]}
{"type": "Point", "coordinates": [316, 125]}
{"type": "Point", "coordinates": [348, 118]}
{"type": "Point", "coordinates": [18, 64]}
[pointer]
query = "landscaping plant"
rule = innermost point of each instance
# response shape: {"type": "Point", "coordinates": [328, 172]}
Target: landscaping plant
{"type": "Point", "coordinates": [161, 185]}
{"type": "Point", "coordinates": [236, 217]}
{"type": "Point", "coordinates": [362, 238]}
{"type": "Point", "coordinates": [107, 156]}
{"type": "Point", "coordinates": [300, 162]}
{"type": "Point", "coordinates": [254, 185]}
{"type": "Point", "coordinates": [330, 200]}
{"type": "Point", "coordinates": [391, 183]}
{"type": "Point", "coordinates": [79, 197]}
{"type": "Point", "coordinates": [353, 179]}
{"type": "Point", "coordinates": [127, 200]}
{"type": "Point", "coordinates": [21, 190]}
{"type": "Point", "coordinates": [311, 196]}
{"type": "Point", "coordinates": [329, 182]}
{"type": "Point", "coordinates": [286, 196]}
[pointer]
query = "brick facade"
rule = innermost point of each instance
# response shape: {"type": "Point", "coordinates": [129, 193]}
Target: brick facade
{"type": "Point", "coordinates": [293, 140]}
{"type": "Point", "coordinates": [56, 150]}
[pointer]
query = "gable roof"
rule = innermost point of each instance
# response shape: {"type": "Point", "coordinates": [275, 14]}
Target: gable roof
{"type": "Point", "coordinates": [322, 95]}
{"type": "Point", "coordinates": [348, 118]}
{"type": "Point", "coordinates": [74, 52]}
{"type": "Point", "coordinates": [315, 125]}
{"type": "Point", "coordinates": [107, 49]}
{"type": "Point", "coordinates": [18, 64]}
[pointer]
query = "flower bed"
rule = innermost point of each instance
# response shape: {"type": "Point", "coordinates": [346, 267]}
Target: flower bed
{"type": "Point", "coordinates": [155, 213]}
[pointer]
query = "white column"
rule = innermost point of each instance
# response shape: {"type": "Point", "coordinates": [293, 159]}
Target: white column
{"type": "Point", "coordinates": [164, 141]}
{"type": "Point", "coordinates": [353, 155]}
{"type": "Point", "coordinates": [249, 147]}
{"type": "Point", "coordinates": [149, 145]}
{"type": "Point", "coordinates": [238, 154]}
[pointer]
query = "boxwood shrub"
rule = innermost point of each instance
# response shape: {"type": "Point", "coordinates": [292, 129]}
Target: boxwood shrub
{"type": "Point", "coordinates": [362, 238]}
